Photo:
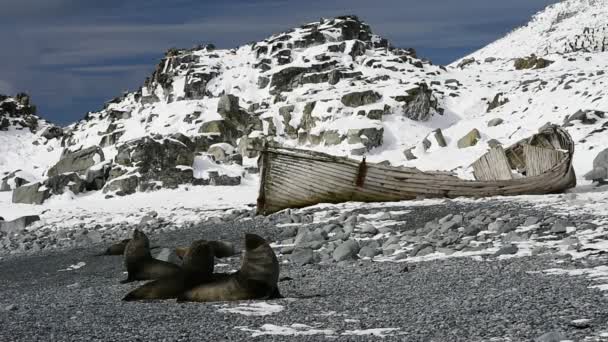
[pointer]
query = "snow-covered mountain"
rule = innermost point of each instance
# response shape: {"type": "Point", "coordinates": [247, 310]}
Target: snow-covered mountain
{"type": "Point", "coordinates": [335, 86]}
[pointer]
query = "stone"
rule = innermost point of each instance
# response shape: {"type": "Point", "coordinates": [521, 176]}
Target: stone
{"type": "Point", "coordinates": [553, 336]}
{"type": "Point", "coordinates": [420, 103]}
{"type": "Point", "coordinates": [363, 98]}
{"type": "Point", "coordinates": [507, 250]}
{"type": "Point", "coordinates": [18, 224]}
{"type": "Point", "coordinates": [52, 132]}
{"type": "Point", "coordinates": [498, 101]}
{"type": "Point", "coordinates": [531, 220]}
{"type": "Point", "coordinates": [168, 255]}
{"type": "Point", "coordinates": [71, 181]}
{"type": "Point", "coordinates": [600, 167]}
{"type": "Point", "coordinates": [465, 62]}
{"type": "Point", "coordinates": [229, 110]}
{"type": "Point", "coordinates": [34, 193]}
{"type": "Point", "coordinates": [470, 139]}
{"type": "Point", "coordinates": [223, 130]}
{"type": "Point", "coordinates": [368, 228]}
{"type": "Point", "coordinates": [495, 226]}
{"type": "Point", "coordinates": [531, 62]}
{"type": "Point", "coordinates": [368, 252]}
{"type": "Point", "coordinates": [346, 251]}
{"type": "Point", "coordinates": [439, 138]}
{"type": "Point", "coordinates": [560, 226]}
{"type": "Point", "coordinates": [495, 122]}
{"type": "Point", "coordinates": [409, 155]}
{"type": "Point", "coordinates": [302, 256]}
{"type": "Point", "coordinates": [220, 152]}
{"type": "Point", "coordinates": [369, 137]}
{"type": "Point", "coordinates": [78, 161]}
{"type": "Point", "coordinates": [493, 143]}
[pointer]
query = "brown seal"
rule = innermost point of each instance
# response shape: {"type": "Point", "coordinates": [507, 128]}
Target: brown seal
{"type": "Point", "coordinates": [141, 265]}
{"type": "Point", "coordinates": [197, 269]}
{"type": "Point", "coordinates": [117, 248]}
{"type": "Point", "coordinates": [221, 249]}
{"type": "Point", "coordinates": [256, 279]}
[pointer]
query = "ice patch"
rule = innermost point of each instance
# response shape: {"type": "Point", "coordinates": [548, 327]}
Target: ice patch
{"type": "Point", "coordinates": [597, 274]}
{"type": "Point", "coordinates": [379, 332]}
{"type": "Point", "coordinates": [253, 309]}
{"type": "Point", "coordinates": [75, 266]}
{"type": "Point", "coordinates": [292, 330]}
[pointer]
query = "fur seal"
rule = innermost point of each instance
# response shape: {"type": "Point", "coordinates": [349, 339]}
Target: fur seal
{"type": "Point", "coordinates": [197, 269]}
{"type": "Point", "coordinates": [140, 264]}
{"type": "Point", "coordinates": [256, 279]}
{"type": "Point", "coordinates": [116, 249]}
{"type": "Point", "coordinates": [221, 249]}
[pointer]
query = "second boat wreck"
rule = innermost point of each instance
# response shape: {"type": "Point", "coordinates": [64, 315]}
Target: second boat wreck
{"type": "Point", "coordinates": [294, 178]}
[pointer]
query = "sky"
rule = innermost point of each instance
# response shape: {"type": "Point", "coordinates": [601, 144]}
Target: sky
{"type": "Point", "coordinates": [73, 55]}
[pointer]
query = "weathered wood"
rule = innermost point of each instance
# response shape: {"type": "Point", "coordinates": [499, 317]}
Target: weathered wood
{"type": "Point", "coordinates": [492, 166]}
{"type": "Point", "coordinates": [294, 178]}
{"type": "Point", "coordinates": [539, 159]}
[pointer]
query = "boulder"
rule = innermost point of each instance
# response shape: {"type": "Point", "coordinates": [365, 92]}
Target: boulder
{"type": "Point", "coordinates": [347, 250]}
{"type": "Point", "coordinates": [362, 98]}
{"type": "Point", "coordinates": [78, 161]}
{"type": "Point", "coordinates": [220, 152]}
{"type": "Point", "coordinates": [96, 176]}
{"type": "Point", "coordinates": [224, 130]}
{"type": "Point", "coordinates": [409, 155]}
{"type": "Point", "coordinates": [124, 185]}
{"type": "Point", "coordinates": [439, 138]}
{"type": "Point", "coordinates": [302, 256]}
{"type": "Point", "coordinates": [531, 62]}
{"type": "Point", "coordinates": [250, 146]}
{"type": "Point", "coordinates": [470, 139]}
{"type": "Point", "coordinates": [466, 62]}
{"type": "Point", "coordinates": [420, 103]}
{"type": "Point", "coordinates": [71, 181]}
{"type": "Point", "coordinates": [495, 122]}
{"type": "Point", "coordinates": [600, 167]}
{"type": "Point", "coordinates": [223, 180]}
{"type": "Point", "coordinates": [19, 224]}
{"type": "Point", "coordinates": [14, 180]}
{"type": "Point", "coordinates": [34, 193]}
{"type": "Point", "coordinates": [229, 110]}
{"type": "Point", "coordinates": [52, 132]}
{"type": "Point", "coordinates": [369, 137]}
{"type": "Point", "coordinates": [498, 101]}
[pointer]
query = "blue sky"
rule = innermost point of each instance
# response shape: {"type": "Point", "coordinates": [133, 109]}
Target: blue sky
{"type": "Point", "coordinates": [73, 55]}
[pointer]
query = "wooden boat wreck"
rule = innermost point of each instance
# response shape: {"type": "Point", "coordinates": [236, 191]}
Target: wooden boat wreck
{"type": "Point", "coordinates": [294, 178]}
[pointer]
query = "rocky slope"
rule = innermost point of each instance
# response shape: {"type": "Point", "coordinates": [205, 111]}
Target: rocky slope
{"type": "Point", "coordinates": [335, 86]}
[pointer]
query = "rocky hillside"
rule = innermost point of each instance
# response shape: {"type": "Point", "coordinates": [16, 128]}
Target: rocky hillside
{"type": "Point", "coordinates": [28, 143]}
{"type": "Point", "coordinates": [335, 86]}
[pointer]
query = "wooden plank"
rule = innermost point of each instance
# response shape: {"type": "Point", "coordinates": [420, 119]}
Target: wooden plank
{"type": "Point", "coordinates": [492, 166]}
{"type": "Point", "coordinates": [539, 159]}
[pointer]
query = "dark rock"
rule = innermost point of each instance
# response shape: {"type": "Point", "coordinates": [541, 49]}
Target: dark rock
{"type": "Point", "coordinates": [409, 155]}
{"type": "Point", "coordinates": [58, 184]}
{"type": "Point", "coordinates": [600, 167]}
{"type": "Point", "coordinates": [222, 130]}
{"type": "Point", "coordinates": [345, 251]}
{"type": "Point", "coordinates": [34, 193]}
{"type": "Point", "coordinates": [498, 101]}
{"type": "Point", "coordinates": [531, 62]}
{"type": "Point", "coordinates": [78, 161]}
{"type": "Point", "coordinates": [302, 256]}
{"type": "Point", "coordinates": [466, 62]}
{"type": "Point", "coordinates": [420, 103]}
{"type": "Point", "coordinates": [495, 122]}
{"type": "Point", "coordinates": [470, 139]}
{"type": "Point", "coordinates": [507, 250]}
{"type": "Point", "coordinates": [362, 98]}
{"type": "Point", "coordinates": [369, 137]}
{"type": "Point", "coordinates": [17, 225]}
{"type": "Point", "coordinates": [52, 132]}
{"type": "Point", "coordinates": [439, 137]}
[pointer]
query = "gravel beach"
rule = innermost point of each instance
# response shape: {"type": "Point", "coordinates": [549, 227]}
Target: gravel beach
{"type": "Point", "coordinates": [71, 295]}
